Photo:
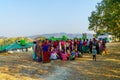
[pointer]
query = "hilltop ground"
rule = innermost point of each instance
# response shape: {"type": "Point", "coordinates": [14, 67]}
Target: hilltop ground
{"type": "Point", "coordinates": [19, 66]}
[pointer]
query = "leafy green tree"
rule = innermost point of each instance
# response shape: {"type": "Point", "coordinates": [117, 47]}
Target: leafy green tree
{"type": "Point", "coordinates": [105, 19]}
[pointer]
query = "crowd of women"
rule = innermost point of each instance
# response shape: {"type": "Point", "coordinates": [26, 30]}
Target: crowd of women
{"type": "Point", "coordinates": [47, 50]}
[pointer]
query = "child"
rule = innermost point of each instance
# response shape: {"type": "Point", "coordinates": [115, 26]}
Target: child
{"type": "Point", "coordinates": [94, 52]}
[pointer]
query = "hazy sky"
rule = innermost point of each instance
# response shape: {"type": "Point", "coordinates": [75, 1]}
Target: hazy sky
{"type": "Point", "coordinates": [30, 17]}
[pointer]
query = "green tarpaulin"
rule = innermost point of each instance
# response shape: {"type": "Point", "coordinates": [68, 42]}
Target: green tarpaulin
{"type": "Point", "coordinates": [54, 39]}
{"type": "Point", "coordinates": [2, 48]}
{"type": "Point", "coordinates": [18, 46]}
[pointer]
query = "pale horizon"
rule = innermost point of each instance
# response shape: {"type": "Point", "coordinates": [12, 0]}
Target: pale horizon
{"type": "Point", "coordinates": [32, 17]}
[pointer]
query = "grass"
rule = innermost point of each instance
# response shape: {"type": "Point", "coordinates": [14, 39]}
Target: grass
{"type": "Point", "coordinates": [20, 66]}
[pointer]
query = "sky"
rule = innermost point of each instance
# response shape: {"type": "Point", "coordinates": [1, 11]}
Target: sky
{"type": "Point", "coordinates": [31, 17]}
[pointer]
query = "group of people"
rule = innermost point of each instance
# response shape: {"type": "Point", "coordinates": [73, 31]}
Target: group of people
{"type": "Point", "coordinates": [47, 50]}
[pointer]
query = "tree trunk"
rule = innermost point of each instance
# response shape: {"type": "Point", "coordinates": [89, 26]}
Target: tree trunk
{"type": "Point", "coordinates": [119, 37]}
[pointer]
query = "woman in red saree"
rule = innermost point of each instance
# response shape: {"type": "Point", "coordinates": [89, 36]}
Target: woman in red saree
{"type": "Point", "coordinates": [46, 52]}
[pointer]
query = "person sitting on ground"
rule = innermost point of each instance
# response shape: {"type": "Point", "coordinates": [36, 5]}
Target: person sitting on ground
{"type": "Point", "coordinates": [64, 56]}
{"type": "Point", "coordinates": [72, 56]}
{"type": "Point", "coordinates": [53, 55]}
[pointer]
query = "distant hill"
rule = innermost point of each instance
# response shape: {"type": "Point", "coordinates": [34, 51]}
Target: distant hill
{"type": "Point", "coordinates": [71, 36]}
{"type": "Point", "coordinates": [2, 37]}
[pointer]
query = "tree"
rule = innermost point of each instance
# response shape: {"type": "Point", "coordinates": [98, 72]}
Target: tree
{"type": "Point", "coordinates": [106, 18]}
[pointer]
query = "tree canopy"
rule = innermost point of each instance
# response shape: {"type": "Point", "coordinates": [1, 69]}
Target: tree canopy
{"type": "Point", "coordinates": [106, 18]}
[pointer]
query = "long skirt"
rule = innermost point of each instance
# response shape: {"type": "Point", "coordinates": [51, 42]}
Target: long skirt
{"type": "Point", "coordinates": [34, 56]}
{"type": "Point", "coordinates": [87, 49]}
{"type": "Point", "coordinates": [84, 49]}
{"type": "Point", "coordinates": [46, 57]}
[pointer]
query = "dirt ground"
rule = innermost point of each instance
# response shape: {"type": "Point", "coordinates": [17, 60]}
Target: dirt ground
{"type": "Point", "coordinates": [20, 66]}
